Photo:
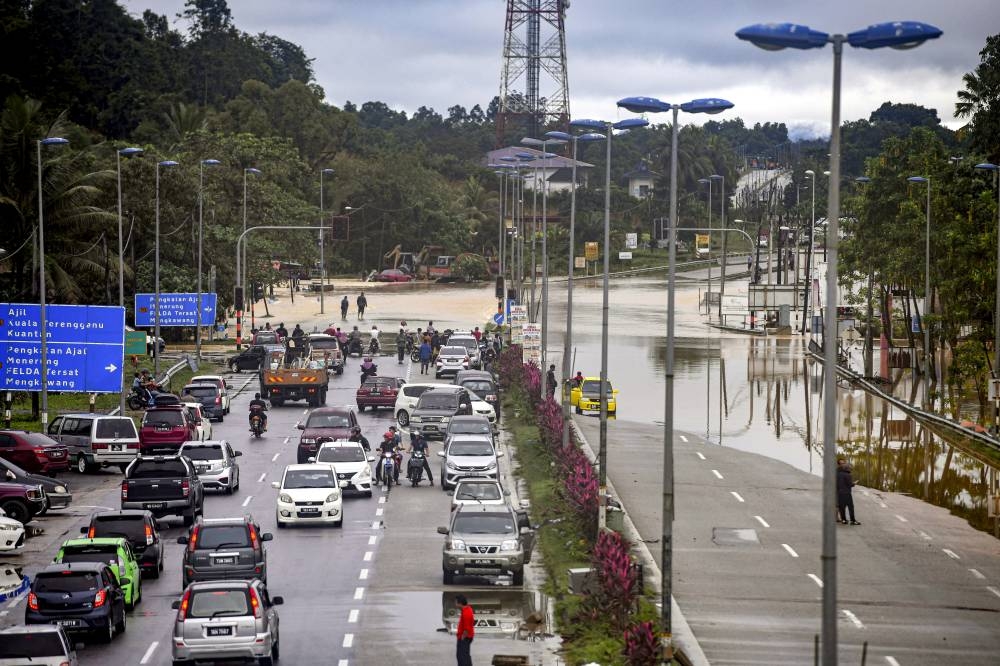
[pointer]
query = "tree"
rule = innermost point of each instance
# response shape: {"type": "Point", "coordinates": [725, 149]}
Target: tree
{"type": "Point", "coordinates": [979, 101]}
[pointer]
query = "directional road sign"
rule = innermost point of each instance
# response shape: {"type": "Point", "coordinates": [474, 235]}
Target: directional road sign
{"type": "Point", "coordinates": [175, 309]}
{"type": "Point", "coordinates": [498, 319]}
{"type": "Point", "coordinates": [84, 350]}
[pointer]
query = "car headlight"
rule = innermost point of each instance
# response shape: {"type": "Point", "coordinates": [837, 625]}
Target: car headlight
{"type": "Point", "coordinates": [492, 465]}
{"type": "Point", "coordinates": [285, 498]}
{"type": "Point", "coordinates": [307, 440]}
{"type": "Point", "coordinates": [365, 473]}
{"type": "Point", "coordinates": [509, 544]}
{"type": "Point", "coordinates": [416, 419]}
{"type": "Point", "coordinates": [457, 544]}
{"type": "Point", "coordinates": [333, 497]}
{"type": "Point", "coordinates": [60, 490]}
{"type": "Point", "coordinates": [450, 465]}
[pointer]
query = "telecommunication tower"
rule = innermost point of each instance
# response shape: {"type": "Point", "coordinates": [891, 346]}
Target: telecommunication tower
{"type": "Point", "coordinates": [534, 88]}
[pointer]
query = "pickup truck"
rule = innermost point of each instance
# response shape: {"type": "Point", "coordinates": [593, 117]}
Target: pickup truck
{"type": "Point", "coordinates": [164, 485]}
{"type": "Point", "coordinates": [288, 377]}
{"type": "Point", "coordinates": [326, 348]}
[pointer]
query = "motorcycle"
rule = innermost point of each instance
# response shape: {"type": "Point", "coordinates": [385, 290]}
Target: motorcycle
{"type": "Point", "coordinates": [415, 355]}
{"type": "Point", "coordinates": [388, 463]}
{"type": "Point", "coordinates": [354, 346]}
{"type": "Point", "coordinates": [137, 400]}
{"type": "Point", "coordinates": [368, 372]}
{"type": "Point", "coordinates": [373, 347]}
{"type": "Point", "coordinates": [415, 468]}
{"type": "Point", "coordinates": [257, 422]}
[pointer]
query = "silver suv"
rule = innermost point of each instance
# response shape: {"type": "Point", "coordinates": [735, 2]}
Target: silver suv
{"type": "Point", "coordinates": [468, 455]}
{"type": "Point", "coordinates": [38, 645]}
{"type": "Point", "coordinates": [233, 619]}
{"type": "Point", "coordinates": [215, 462]}
{"type": "Point", "coordinates": [485, 540]}
{"type": "Point", "coordinates": [471, 347]}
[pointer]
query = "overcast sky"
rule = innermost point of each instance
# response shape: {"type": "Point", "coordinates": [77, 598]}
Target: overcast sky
{"type": "Point", "coordinates": [438, 53]}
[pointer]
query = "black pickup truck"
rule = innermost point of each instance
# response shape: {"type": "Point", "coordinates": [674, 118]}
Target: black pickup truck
{"type": "Point", "coordinates": [164, 485]}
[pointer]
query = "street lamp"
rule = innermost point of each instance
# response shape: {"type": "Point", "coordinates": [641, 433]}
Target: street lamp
{"type": "Point", "coordinates": [927, 283]}
{"type": "Point", "coordinates": [567, 370]}
{"type": "Point", "coordinates": [996, 315]}
{"type": "Point", "coordinates": [201, 197]}
{"type": "Point", "coordinates": [123, 152]}
{"type": "Point", "coordinates": [809, 251]}
{"type": "Point", "coordinates": [156, 273]}
{"type": "Point", "coordinates": [722, 217]}
{"type": "Point", "coordinates": [322, 262]}
{"type": "Point", "coordinates": [708, 298]}
{"type": "Point", "coordinates": [774, 37]}
{"type": "Point", "coordinates": [243, 259]}
{"type": "Point", "coordinates": [43, 350]}
{"type": "Point", "coordinates": [653, 105]}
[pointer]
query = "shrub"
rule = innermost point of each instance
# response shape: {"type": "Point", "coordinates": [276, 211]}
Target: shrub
{"type": "Point", "coordinates": [617, 577]}
{"type": "Point", "coordinates": [642, 647]}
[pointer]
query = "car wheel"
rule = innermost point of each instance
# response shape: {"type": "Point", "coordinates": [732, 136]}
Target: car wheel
{"type": "Point", "coordinates": [275, 650]}
{"type": "Point", "coordinates": [266, 661]}
{"type": "Point", "coordinates": [277, 402]}
{"type": "Point", "coordinates": [81, 464]}
{"type": "Point", "coordinates": [368, 493]}
{"type": "Point", "coordinates": [519, 577]}
{"type": "Point", "coordinates": [361, 408]}
{"type": "Point", "coordinates": [234, 367]}
{"type": "Point", "coordinates": [16, 510]}
{"type": "Point", "coordinates": [281, 525]}
{"type": "Point", "coordinates": [155, 571]}
{"type": "Point", "coordinates": [447, 577]}
{"type": "Point", "coordinates": [105, 635]}
{"type": "Point", "coordinates": [578, 410]}
{"type": "Point", "coordinates": [403, 418]}
{"type": "Point", "coordinates": [339, 524]}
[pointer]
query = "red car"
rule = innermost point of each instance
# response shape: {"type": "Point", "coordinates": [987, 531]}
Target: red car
{"type": "Point", "coordinates": [164, 429]}
{"type": "Point", "coordinates": [34, 452]}
{"type": "Point", "coordinates": [393, 275]}
{"type": "Point", "coordinates": [378, 392]}
{"type": "Point", "coordinates": [324, 424]}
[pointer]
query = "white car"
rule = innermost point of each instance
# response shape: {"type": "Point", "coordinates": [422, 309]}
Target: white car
{"type": "Point", "coordinates": [309, 494]}
{"type": "Point", "coordinates": [409, 394]}
{"type": "Point", "coordinates": [218, 381]}
{"type": "Point", "coordinates": [468, 455]}
{"type": "Point", "coordinates": [350, 462]}
{"type": "Point", "coordinates": [483, 408]}
{"type": "Point", "coordinates": [202, 424]}
{"type": "Point", "coordinates": [11, 533]}
{"type": "Point", "coordinates": [479, 490]}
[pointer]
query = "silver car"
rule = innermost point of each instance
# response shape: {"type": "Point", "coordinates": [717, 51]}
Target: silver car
{"type": "Point", "coordinates": [215, 462]}
{"type": "Point", "coordinates": [36, 644]}
{"type": "Point", "coordinates": [233, 619]}
{"type": "Point", "coordinates": [468, 455]}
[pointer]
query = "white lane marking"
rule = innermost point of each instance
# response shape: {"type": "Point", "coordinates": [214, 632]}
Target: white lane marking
{"type": "Point", "coordinates": [977, 574]}
{"type": "Point", "coordinates": [275, 457]}
{"type": "Point", "coordinates": [368, 556]}
{"type": "Point", "coordinates": [305, 411]}
{"type": "Point", "coordinates": [791, 551]}
{"type": "Point", "coordinates": [864, 492]}
{"type": "Point", "coordinates": [342, 662]}
{"type": "Point", "coordinates": [376, 524]}
{"type": "Point", "coordinates": [717, 475]}
{"type": "Point", "coordinates": [883, 505]}
{"type": "Point", "coordinates": [761, 521]}
{"type": "Point", "coordinates": [891, 661]}
{"type": "Point", "coordinates": [348, 640]}
{"type": "Point", "coordinates": [352, 617]}
{"type": "Point", "coordinates": [901, 519]}
{"type": "Point", "coordinates": [261, 478]}
{"type": "Point", "coordinates": [359, 593]}
{"type": "Point", "coordinates": [14, 603]}
{"type": "Point", "coordinates": [247, 500]}
{"type": "Point", "coordinates": [816, 579]}
{"type": "Point", "coordinates": [700, 454]}
{"type": "Point", "coordinates": [363, 575]}
{"type": "Point", "coordinates": [4, 613]}
{"type": "Point", "coordinates": [951, 554]}
{"type": "Point", "coordinates": [381, 500]}
{"type": "Point", "coordinates": [372, 539]}
{"type": "Point", "coordinates": [924, 535]}
{"type": "Point", "coordinates": [149, 652]}
{"type": "Point", "coordinates": [286, 439]}
{"type": "Point", "coordinates": [993, 590]}
{"type": "Point", "coordinates": [379, 512]}
{"type": "Point", "coordinates": [737, 496]}
{"type": "Point", "coordinates": [683, 438]}
{"type": "Point", "coordinates": [853, 618]}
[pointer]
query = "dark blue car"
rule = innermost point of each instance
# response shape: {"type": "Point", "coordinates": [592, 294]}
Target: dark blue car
{"type": "Point", "coordinates": [81, 597]}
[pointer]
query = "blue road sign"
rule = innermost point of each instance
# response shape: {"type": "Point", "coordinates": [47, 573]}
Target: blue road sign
{"type": "Point", "coordinates": [510, 302]}
{"type": "Point", "coordinates": [498, 319]}
{"type": "Point", "coordinates": [175, 310]}
{"type": "Point", "coordinates": [85, 347]}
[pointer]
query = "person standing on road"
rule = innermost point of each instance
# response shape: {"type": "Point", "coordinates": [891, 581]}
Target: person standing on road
{"type": "Point", "coordinates": [281, 331]}
{"type": "Point", "coordinates": [845, 501]}
{"type": "Point", "coordinates": [344, 304]}
{"type": "Point", "coordinates": [465, 632]}
{"type": "Point", "coordinates": [425, 356]}
{"type": "Point", "coordinates": [477, 334]}
{"type": "Point", "coordinates": [749, 262]}
{"type": "Point", "coordinates": [362, 304]}
{"type": "Point", "coordinates": [550, 381]}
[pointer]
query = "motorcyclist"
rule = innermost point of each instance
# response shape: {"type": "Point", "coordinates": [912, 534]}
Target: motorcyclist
{"type": "Point", "coordinates": [401, 340]}
{"type": "Point", "coordinates": [388, 446]}
{"type": "Point", "coordinates": [258, 405]}
{"type": "Point", "coordinates": [356, 436]}
{"type": "Point", "coordinates": [368, 369]}
{"type": "Point", "coordinates": [418, 443]}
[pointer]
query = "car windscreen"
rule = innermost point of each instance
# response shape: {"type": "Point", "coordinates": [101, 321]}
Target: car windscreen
{"type": "Point", "coordinates": [438, 401]}
{"type": "Point", "coordinates": [468, 343]}
{"type": "Point", "coordinates": [477, 491]}
{"type": "Point", "coordinates": [313, 478]}
{"type": "Point", "coordinates": [107, 554]}
{"type": "Point", "coordinates": [132, 528]}
{"type": "Point", "coordinates": [75, 581]}
{"type": "Point", "coordinates": [261, 337]}
{"type": "Point", "coordinates": [218, 603]}
{"type": "Point", "coordinates": [327, 421]}
{"type": "Point", "coordinates": [594, 388]}
{"type": "Point", "coordinates": [201, 391]}
{"type": "Point", "coordinates": [326, 343]}
{"type": "Point", "coordinates": [462, 427]}
{"type": "Point", "coordinates": [163, 469]}
{"type": "Point", "coordinates": [470, 449]}
{"type": "Point", "coordinates": [27, 646]}
{"type": "Point", "coordinates": [478, 386]}
{"type": "Point", "coordinates": [453, 351]}
{"type": "Point", "coordinates": [163, 417]}
{"type": "Point", "coordinates": [203, 452]}
{"type": "Point", "coordinates": [483, 523]}
{"type": "Point", "coordinates": [211, 537]}
{"type": "Point", "coordinates": [414, 391]}
{"type": "Point", "coordinates": [115, 428]}
{"type": "Point", "coordinates": [336, 454]}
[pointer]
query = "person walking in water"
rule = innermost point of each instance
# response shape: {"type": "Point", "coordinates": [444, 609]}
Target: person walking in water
{"type": "Point", "coordinates": [362, 304]}
{"type": "Point", "coordinates": [465, 631]}
{"type": "Point", "coordinates": [845, 501]}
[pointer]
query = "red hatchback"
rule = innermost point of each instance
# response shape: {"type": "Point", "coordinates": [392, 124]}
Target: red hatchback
{"type": "Point", "coordinates": [164, 429]}
{"type": "Point", "coordinates": [378, 392]}
{"type": "Point", "coordinates": [33, 451]}
{"type": "Point", "coordinates": [324, 424]}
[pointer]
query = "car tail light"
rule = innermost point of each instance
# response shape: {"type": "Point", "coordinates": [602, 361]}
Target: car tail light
{"type": "Point", "coordinates": [254, 602]}
{"type": "Point", "coordinates": [193, 541]}
{"type": "Point", "coordinates": [100, 598]}
{"type": "Point", "coordinates": [218, 399]}
{"type": "Point", "coordinates": [124, 490]}
{"type": "Point", "coordinates": [186, 488]}
{"type": "Point", "coordinates": [92, 532]}
{"type": "Point", "coordinates": [149, 534]}
{"type": "Point", "coordinates": [40, 452]}
{"type": "Point", "coordinates": [32, 601]}
{"type": "Point", "coordinates": [253, 537]}
{"type": "Point", "coordinates": [185, 600]}
{"type": "Point", "coordinates": [99, 447]}
{"type": "Point", "coordinates": [466, 360]}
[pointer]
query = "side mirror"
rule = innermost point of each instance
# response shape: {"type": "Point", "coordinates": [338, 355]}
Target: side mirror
{"type": "Point", "coordinates": [182, 539]}
{"type": "Point", "coordinates": [266, 536]}
{"type": "Point", "coordinates": [175, 604]}
{"type": "Point", "coordinates": [84, 530]}
{"type": "Point", "coordinates": [442, 530]}
{"type": "Point", "coordinates": [277, 601]}
{"type": "Point", "coordinates": [500, 454]}
{"type": "Point", "coordinates": [10, 475]}
{"type": "Point", "coordinates": [526, 530]}
{"type": "Point", "coordinates": [440, 454]}
{"type": "Point", "coordinates": [275, 484]}
{"type": "Point", "coordinates": [300, 426]}
{"type": "Point", "coordinates": [237, 454]}
{"type": "Point", "coordinates": [371, 458]}
{"type": "Point", "coordinates": [311, 459]}
{"type": "Point", "coordinates": [344, 483]}
{"type": "Point", "coordinates": [78, 647]}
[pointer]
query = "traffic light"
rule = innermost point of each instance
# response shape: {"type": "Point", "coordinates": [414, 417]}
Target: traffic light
{"type": "Point", "coordinates": [238, 298]}
{"type": "Point", "coordinates": [258, 292]}
{"type": "Point", "coordinates": [499, 287]}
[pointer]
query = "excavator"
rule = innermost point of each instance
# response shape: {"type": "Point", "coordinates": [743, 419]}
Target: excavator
{"type": "Point", "coordinates": [428, 264]}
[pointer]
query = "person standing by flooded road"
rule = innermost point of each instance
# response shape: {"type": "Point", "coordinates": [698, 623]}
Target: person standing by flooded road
{"type": "Point", "coordinates": [845, 500]}
{"type": "Point", "coordinates": [465, 631]}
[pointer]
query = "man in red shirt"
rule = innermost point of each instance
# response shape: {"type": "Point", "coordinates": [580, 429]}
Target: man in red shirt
{"type": "Point", "coordinates": [465, 632]}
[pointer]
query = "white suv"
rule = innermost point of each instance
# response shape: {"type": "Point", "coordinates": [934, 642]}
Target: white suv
{"type": "Point", "coordinates": [309, 494]}
{"type": "Point", "coordinates": [468, 455]}
{"type": "Point", "coordinates": [471, 347]}
{"type": "Point", "coordinates": [351, 464]}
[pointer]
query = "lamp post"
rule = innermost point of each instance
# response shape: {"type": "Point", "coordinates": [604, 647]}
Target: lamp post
{"type": "Point", "coordinates": [322, 262]}
{"type": "Point", "coordinates": [722, 217]}
{"type": "Point", "coordinates": [653, 105]}
{"type": "Point", "coordinates": [156, 272]}
{"type": "Point", "coordinates": [708, 298]}
{"type": "Point", "coordinates": [809, 251]}
{"type": "Point", "coordinates": [862, 180]}
{"type": "Point", "coordinates": [996, 314]}
{"type": "Point", "coordinates": [43, 337]}
{"type": "Point", "coordinates": [241, 269]}
{"type": "Point", "coordinates": [123, 152]}
{"type": "Point", "coordinates": [201, 197]}
{"type": "Point", "coordinates": [773, 37]}
{"type": "Point", "coordinates": [927, 285]}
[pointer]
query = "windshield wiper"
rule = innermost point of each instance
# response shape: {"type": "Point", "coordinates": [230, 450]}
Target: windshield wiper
{"type": "Point", "coordinates": [227, 612]}
{"type": "Point", "coordinates": [229, 543]}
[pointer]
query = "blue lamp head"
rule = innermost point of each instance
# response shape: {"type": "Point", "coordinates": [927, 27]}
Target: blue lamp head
{"type": "Point", "coordinates": [211, 162]}
{"type": "Point", "coordinates": [862, 179]}
{"type": "Point", "coordinates": [644, 105]}
{"type": "Point", "coordinates": [988, 166]}
{"type": "Point", "coordinates": [591, 136]}
{"type": "Point", "coordinates": [777, 36]}
{"type": "Point", "coordinates": [710, 105]}
{"type": "Point", "coordinates": [630, 123]}
{"type": "Point", "coordinates": [896, 35]}
{"type": "Point", "coordinates": [167, 163]}
{"type": "Point", "coordinates": [129, 152]}
{"type": "Point", "coordinates": [716, 176]}
{"type": "Point", "coordinates": [252, 170]}
{"type": "Point", "coordinates": [524, 156]}
{"type": "Point", "coordinates": [588, 124]}
{"type": "Point", "coordinates": [53, 141]}
{"type": "Point", "coordinates": [560, 136]}
{"type": "Point", "coordinates": [703, 181]}
{"type": "Point", "coordinates": [326, 171]}
{"type": "Point", "coordinates": [917, 179]}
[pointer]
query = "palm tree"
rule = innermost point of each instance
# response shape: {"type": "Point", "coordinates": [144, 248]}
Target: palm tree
{"type": "Point", "coordinates": [476, 205]}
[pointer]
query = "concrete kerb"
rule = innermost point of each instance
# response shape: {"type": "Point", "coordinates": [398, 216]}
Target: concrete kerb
{"type": "Point", "coordinates": [682, 635]}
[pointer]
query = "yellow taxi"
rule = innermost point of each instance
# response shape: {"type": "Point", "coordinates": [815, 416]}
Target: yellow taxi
{"type": "Point", "coordinates": [586, 396]}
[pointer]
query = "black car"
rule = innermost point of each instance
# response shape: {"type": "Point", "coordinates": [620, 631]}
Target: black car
{"type": "Point", "coordinates": [210, 397]}
{"type": "Point", "coordinates": [57, 494]}
{"type": "Point", "coordinates": [250, 358]}
{"type": "Point", "coordinates": [141, 530]}
{"type": "Point", "coordinates": [80, 597]}
{"type": "Point", "coordinates": [483, 385]}
{"type": "Point", "coordinates": [223, 549]}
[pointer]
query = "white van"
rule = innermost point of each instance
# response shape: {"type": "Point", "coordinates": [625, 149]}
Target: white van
{"type": "Point", "coordinates": [94, 441]}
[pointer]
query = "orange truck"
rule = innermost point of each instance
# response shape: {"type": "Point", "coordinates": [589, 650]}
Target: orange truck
{"type": "Point", "coordinates": [283, 378]}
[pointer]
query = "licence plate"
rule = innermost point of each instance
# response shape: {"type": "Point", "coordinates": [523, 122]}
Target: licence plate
{"type": "Point", "coordinates": [488, 563]}
{"type": "Point", "coordinates": [162, 428]}
{"type": "Point", "coordinates": [116, 447]}
{"type": "Point", "coordinates": [220, 631]}
{"type": "Point", "coordinates": [374, 391]}
{"type": "Point", "coordinates": [57, 454]}
{"type": "Point", "coordinates": [308, 510]}
{"type": "Point", "coordinates": [154, 505]}
{"type": "Point", "coordinates": [224, 560]}
{"type": "Point", "coordinates": [68, 623]}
